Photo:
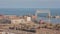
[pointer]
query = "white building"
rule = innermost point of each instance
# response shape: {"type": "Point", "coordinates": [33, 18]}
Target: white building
{"type": "Point", "coordinates": [28, 18]}
{"type": "Point", "coordinates": [17, 21]}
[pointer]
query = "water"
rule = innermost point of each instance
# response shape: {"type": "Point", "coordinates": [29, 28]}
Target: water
{"type": "Point", "coordinates": [26, 11]}
{"type": "Point", "coordinates": [52, 20]}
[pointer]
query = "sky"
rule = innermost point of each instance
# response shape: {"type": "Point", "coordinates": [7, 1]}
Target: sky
{"type": "Point", "coordinates": [29, 3]}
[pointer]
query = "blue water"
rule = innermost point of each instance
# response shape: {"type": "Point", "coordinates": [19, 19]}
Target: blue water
{"type": "Point", "coordinates": [26, 11]}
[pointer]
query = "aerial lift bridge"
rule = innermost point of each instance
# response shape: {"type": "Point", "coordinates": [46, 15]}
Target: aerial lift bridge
{"type": "Point", "coordinates": [43, 11]}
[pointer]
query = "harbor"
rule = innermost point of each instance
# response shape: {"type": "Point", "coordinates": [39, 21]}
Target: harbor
{"type": "Point", "coordinates": [29, 16]}
{"type": "Point", "coordinates": [28, 24]}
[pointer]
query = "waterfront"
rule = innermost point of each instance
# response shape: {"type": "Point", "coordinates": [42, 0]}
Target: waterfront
{"type": "Point", "coordinates": [13, 24]}
{"type": "Point", "coordinates": [32, 11]}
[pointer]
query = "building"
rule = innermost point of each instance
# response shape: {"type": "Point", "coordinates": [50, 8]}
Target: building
{"type": "Point", "coordinates": [57, 16]}
{"type": "Point", "coordinates": [10, 16]}
{"type": "Point", "coordinates": [5, 21]}
{"type": "Point", "coordinates": [1, 16]}
{"type": "Point", "coordinates": [17, 21]}
{"type": "Point", "coordinates": [34, 17]}
{"type": "Point", "coordinates": [29, 18]}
